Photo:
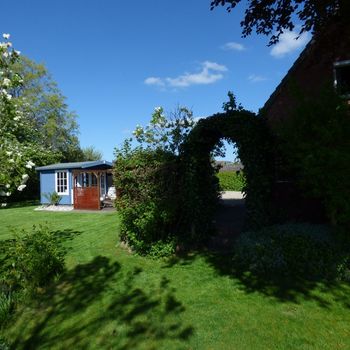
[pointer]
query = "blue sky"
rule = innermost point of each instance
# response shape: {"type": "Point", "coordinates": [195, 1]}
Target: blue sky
{"type": "Point", "coordinates": [116, 61]}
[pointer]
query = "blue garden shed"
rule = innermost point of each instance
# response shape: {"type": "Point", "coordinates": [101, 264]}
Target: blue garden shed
{"type": "Point", "coordinates": [82, 184]}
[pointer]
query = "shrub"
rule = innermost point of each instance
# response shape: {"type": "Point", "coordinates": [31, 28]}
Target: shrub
{"type": "Point", "coordinates": [54, 198]}
{"type": "Point", "coordinates": [290, 250]}
{"type": "Point", "coordinates": [147, 202]}
{"type": "Point", "coordinates": [34, 259]}
{"type": "Point", "coordinates": [231, 181]}
{"type": "Point", "coordinates": [31, 260]}
{"type": "Point", "coordinates": [148, 183]}
{"type": "Point", "coordinates": [162, 249]}
{"type": "Point", "coordinates": [3, 344]}
{"type": "Point", "coordinates": [7, 305]}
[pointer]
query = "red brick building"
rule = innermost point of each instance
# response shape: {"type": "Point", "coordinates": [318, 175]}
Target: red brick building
{"type": "Point", "coordinates": [325, 62]}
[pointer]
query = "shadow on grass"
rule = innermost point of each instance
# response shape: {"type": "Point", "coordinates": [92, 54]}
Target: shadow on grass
{"type": "Point", "coordinates": [324, 292]}
{"type": "Point", "coordinates": [96, 305]}
{"type": "Point", "coordinates": [63, 236]}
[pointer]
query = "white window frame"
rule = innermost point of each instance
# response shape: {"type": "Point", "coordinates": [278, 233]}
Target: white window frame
{"type": "Point", "coordinates": [66, 193]}
{"type": "Point", "coordinates": [340, 64]}
{"type": "Point", "coordinates": [103, 184]}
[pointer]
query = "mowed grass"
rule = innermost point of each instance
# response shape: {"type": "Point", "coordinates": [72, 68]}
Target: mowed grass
{"type": "Point", "coordinates": [112, 299]}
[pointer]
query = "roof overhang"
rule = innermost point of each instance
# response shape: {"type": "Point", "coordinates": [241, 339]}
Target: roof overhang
{"type": "Point", "coordinates": [98, 164]}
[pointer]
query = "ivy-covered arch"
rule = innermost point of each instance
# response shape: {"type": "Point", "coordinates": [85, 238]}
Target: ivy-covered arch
{"type": "Point", "coordinates": [199, 184]}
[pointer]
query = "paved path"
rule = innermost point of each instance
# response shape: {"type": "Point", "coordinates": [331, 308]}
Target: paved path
{"type": "Point", "coordinates": [229, 221]}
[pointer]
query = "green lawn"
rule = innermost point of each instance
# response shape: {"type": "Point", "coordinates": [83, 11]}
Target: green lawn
{"type": "Point", "coordinates": [111, 299]}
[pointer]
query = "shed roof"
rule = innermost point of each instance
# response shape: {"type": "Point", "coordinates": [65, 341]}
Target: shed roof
{"type": "Point", "coordinates": [77, 165]}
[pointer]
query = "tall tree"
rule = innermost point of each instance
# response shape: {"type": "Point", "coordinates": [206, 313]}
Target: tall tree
{"type": "Point", "coordinates": [19, 149]}
{"type": "Point", "coordinates": [42, 102]}
{"type": "Point", "coordinates": [273, 17]}
{"type": "Point", "coordinates": [91, 153]}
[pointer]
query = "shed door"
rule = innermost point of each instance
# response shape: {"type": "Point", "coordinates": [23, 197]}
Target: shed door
{"type": "Point", "coordinates": [86, 192]}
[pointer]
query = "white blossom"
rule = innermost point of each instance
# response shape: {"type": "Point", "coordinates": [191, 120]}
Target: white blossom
{"type": "Point", "coordinates": [21, 187]}
{"type": "Point", "coordinates": [3, 204]}
{"type": "Point", "coordinates": [29, 164]}
{"type": "Point", "coordinates": [6, 82]}
{"type": "Point", "coordinates": [8, 194]}
{"type": "Point", "coordinates": [8, 185]}
{"type": "Point", "coordinates": [6, 36]}
{"type": "Point", "coordinates": [6, 94]}
{"type": "Point", "coordinates": [25, 177]}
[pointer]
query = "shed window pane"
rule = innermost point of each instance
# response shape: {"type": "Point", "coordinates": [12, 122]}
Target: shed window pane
{"type": "Point", "coordinates": [61, 182]}
{"type": "Point", "coordinates": [93, 180]}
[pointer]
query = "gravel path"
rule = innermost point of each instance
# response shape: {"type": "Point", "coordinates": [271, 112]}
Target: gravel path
{"type": "Point", "coordinates": [229, 221]}
{"type": "Point", "coordinates": [231, 195]}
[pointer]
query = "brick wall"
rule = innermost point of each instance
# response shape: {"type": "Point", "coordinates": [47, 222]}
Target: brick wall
{"type": "Point", "coordinates": [312, 71]}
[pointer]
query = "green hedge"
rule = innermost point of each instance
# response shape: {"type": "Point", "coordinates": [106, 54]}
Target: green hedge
{"type": "Point", "coordinates": [200, 181]}
{"type": "Point", "coordinates": [147, 200]}
{"type": "Point", "coordinates": [231, 181]}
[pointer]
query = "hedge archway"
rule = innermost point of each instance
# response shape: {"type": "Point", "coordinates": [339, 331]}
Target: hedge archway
{"type": "Point", "coordinates": [199, 184]}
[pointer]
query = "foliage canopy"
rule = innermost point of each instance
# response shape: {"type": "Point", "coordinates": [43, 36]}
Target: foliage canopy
{"type": "Point", "coordinates": [254, 144]}
{"type": "Point", "coordinates": [54, 125]}
{"type": "Point", "coordinates": [91, 153]}
{"type": "Point", "coordinates": [168, 190]}
{"type": "Point", "coordinates": [273, 17]}
{"type": "Point", "coordinates": [36, 126]}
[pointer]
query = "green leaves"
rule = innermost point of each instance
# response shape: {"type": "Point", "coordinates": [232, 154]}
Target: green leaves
{"type": "Point", "coordinates": [200, 184]}
{"type": "Point", "coordinates": [36, 127]}
{"type": "Point", "coordinates": [166, 133]}
{"type": "Point", "coordinates": [274, 17]}
{"type": "Point", "coordinates": [15, 162]}
{"type": "Point", "coordinates": [168, 186]}
{"type": "Point", "coordinates": [231, 181]}
{"type": "Point", "coordinates": [52, 124]}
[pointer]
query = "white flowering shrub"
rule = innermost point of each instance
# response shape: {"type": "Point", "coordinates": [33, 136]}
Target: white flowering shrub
{"type": "Point", "coordinates": [15, 129]}
{"type": "Point", "coordinates": [166, 133]}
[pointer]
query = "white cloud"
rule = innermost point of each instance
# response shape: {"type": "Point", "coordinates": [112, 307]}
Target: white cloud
{"type": "Point", "coordinates": [214, 66]}
{"type": "Point", "coordinates": [256, 78]}
{"type": "Point", "coordinates": [288, 43]}
{"type": "Point", "coordinates": [209, 73]}
{"type": "Point", "coordinates": [154, 81]}
{"type": "Point", "coordinates": [233, 46]}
